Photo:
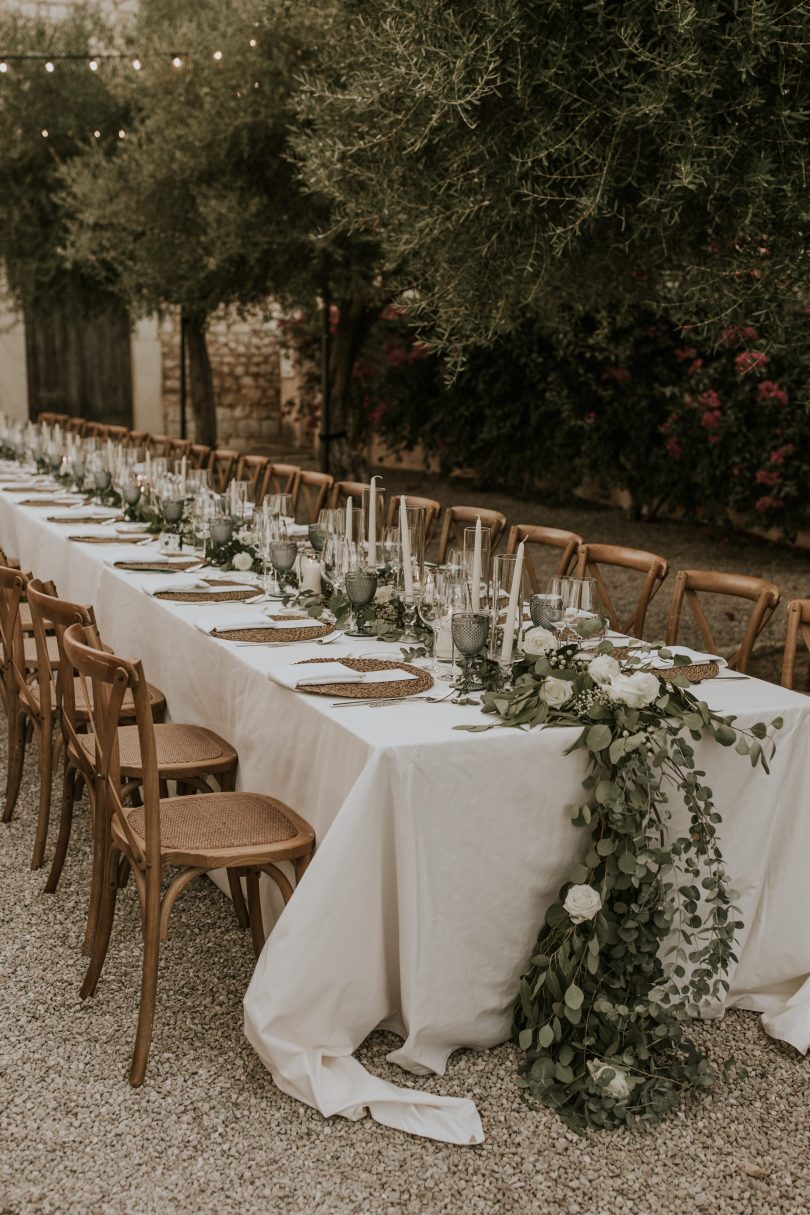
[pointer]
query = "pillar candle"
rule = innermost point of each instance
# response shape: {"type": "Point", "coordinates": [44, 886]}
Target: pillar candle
{"type": "Point", "coordinates": [372, 522]}
{"type": "Point", "coordinates": [405, 537]}
{"type": "Point", "coordinates": [310, 575]}
{"type": "Point", "coordinates": [511, 611]}
{"type": "Point", "coordinates": [476, 569]}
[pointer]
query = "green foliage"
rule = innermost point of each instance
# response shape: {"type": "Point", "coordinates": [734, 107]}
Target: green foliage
{"type": "Point", "coordinates": [521, 154]}
{"type": "Point", "coordinates": [643, 931]}
{"type": "Point", "coordinates": [69, 104]}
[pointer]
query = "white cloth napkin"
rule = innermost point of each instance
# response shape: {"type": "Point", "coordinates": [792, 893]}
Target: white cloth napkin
{"type": "Point", "coordinates": [314, 673]}
{"type": "Point", "coordinates": [656, 662]}
{"type": "Point", "coordinates": [247, 620]}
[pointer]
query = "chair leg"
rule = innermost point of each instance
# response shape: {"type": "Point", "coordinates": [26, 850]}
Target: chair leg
{"type": "Point", "coordinates": [106, 914]}
{"type": "Point", "coordinates": [255, 909]}
{"type": "Point", "coordinates": [45, 789]}
{"type": "Point", "coordinates": [17, 734]}
{"type": "Point", "coordinates": [238, 898]}
{"type": "Point", "coordinates": [69, 783]}
{"type": "Point", "coordinates": [96, 874]}
{"type": "Point", "coordinates": [146, 1012]}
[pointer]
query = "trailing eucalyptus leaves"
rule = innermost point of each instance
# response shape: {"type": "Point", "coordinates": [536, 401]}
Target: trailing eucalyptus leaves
{"type": "Point", "coordinates": [642, 933]}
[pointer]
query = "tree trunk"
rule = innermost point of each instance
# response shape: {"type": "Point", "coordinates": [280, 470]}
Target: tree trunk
{"type": "Point", "coordinates": [347, 450]}
{"type": "Point", "coordinates": [201, 382]}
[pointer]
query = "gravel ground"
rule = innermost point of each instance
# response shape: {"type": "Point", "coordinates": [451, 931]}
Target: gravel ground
{"type": "Point", "coordinates": [209, 1132]}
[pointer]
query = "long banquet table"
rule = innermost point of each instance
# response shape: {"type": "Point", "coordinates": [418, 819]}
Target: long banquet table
{"type": "Point", "coordinates": [439, 850]}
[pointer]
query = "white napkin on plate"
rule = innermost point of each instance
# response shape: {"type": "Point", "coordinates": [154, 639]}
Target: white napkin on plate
{"type": "Point", "coordinates": [655, 662]}
{"type": "Point", "coordinates": [247, 620]}
{"type": "Point", "coordinates": [312, 674]}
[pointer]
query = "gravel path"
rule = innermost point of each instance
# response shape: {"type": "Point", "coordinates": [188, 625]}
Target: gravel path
{"type": "Point", "coordinates": [209, 1132]}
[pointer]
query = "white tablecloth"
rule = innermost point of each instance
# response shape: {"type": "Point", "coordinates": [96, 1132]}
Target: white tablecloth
{"type": "Point", "coordinates": [438, 853]}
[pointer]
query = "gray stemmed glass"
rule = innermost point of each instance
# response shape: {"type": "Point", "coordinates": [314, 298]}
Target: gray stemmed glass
{"type": "Point", "coordinates": [317, 536]}
{"type": "Point", "coordinates": [361, 585]}
{"type": "Point", "coordinates": [282, 556]}
{"type": "Point", "coordinates": [470, 631]}
{"type": "Point", "coordinates": [546, 610]}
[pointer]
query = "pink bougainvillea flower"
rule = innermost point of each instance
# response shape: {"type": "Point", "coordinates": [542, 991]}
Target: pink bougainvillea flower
{"type": "Point", "coordinates": [684, 353]}
{"type": "Point", "coordinates": [710, 419]}
{"type": "Point", "coordinates": [618, 374]}
{"type": "Point", "coordinates": [769, 390]}
{"type": "Point", "coordinates": [767, 477]}
{"type": "Point", "coordinates": [768, 503]}
{"type": "Point", "coordinates": [694, 367]}
{"type": "Point", "coordinates": [750, 360]}
{"type": "Point", "coordinates": [709, 399]}
{"type": "Point", "coordinates": [714, 438]}
{"type": "Point", "coordinates": [673, 449]}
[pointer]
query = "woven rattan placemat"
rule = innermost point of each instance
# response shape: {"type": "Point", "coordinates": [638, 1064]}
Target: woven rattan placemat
{"type": "Point", "coordinates": [158, 567]}
{"type": "Point", "coordinates": [694, 673]}
{"type": "Point", "coordinates": [105, 540]}
{"type": "Point", "coordinates": [226, 596]}
{"type": "Point", "coordinates": [73, 520]}
{"type": "Point", "coordinates": [51, 502]}
{"type": "Point", "coordinates": [373, 691]}
{"type": "Point", "coordinates": [290, 634]}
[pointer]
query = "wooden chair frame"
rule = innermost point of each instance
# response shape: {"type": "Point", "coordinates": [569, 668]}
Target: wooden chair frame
{"type": "Point", "coordinates": [546, 537]}
{"type": "Point", "coordinates": [343, 490]}
{"type": "Point", "coordinates": [456, 518]}
{"type": "Point", "coordinates": [430, 506]}
{"type": "Point", "coordinates": [145, 855]}
{"type": "Point", "coordinates": [313, 488]}
{"type": "Point", "coordinates": [199, 456]}
{"type": "Point", "coordinates": [252, 469]}
{"type": "Point", "coordinates": [223, 465]}
{"type": "Point", "coordinates": [798, 627]}
{"type": "Point", "coordinates": [764, 596]}
{"type": "Point", "coordinates": [653, 567]}
{"type": "Point", "coordinates": [279, 479]}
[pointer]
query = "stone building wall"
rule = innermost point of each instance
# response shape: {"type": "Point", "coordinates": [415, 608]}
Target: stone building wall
{"type": "Point", "coordinates": [245, 359]}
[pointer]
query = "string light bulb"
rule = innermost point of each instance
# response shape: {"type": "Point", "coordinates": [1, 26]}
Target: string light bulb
{"type": "Point", "coordinates": [217, 55]}
{"type": "Point", "coordinates": [93, 65]}
{"type": "Point", "coordinates": [253, 42]}
{"type": "Point", "coordinates": [44, 133]}
{"type": "Point", "coordinates": [177, 61]}
{"type": "Point", "coordinates": [136, 64]}
{"type": "Point", "coordinates": [49, 67]}
{"type": "Point", "coordinates": [3, 65]}
{"type": "Point", "coordinates": [122, 134]}
{"type": "Point", "coordinates": [97, 134]}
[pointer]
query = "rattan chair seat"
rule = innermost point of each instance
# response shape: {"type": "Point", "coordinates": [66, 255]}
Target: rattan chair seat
{"type": "Point", "coordinates": [209, 822]}
{"type": "Point", "coordinates": [176, 745]}
{"type": "Point", "coordinates": [156, 698]}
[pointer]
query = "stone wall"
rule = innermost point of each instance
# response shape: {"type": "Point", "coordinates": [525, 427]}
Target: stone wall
{"type": "Point", "coordinates": [245, 359]}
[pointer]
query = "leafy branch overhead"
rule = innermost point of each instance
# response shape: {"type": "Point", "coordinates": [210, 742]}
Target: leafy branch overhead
{"type": "Point", "coordinates": [519, 154]}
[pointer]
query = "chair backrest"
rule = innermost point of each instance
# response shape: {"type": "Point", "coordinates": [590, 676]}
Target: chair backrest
{"type": "Point", "coordinates": [312, 489]}
{"type": "Point", "coordinates": [252, 469]}
{"type": "Point", "coordinates": [111, 678]}
{"type": "Point", "coordinates": [138, 438]}
{"type": "Point", "coordinates": [117, 433]}
{"type": "Point", "coordinates": [591, 559]}
{"type": "Point", "coordinates": [764, 596]}
{"type": "Point", "coordinates": [179, 448]}
{"type": "Point", "coordinates": [51, 419]}
{"type": "Point", "coordinates": [223, 465]}
{"type": "Point", "coordinates": [48, 611]}
{"type": "Point", "coordinates": [160, 445]}
{"type": "Point", "coordinates": [199, 455]}
{"type": "Point", "coordinates": [76, 425]}
{"type": "Point", "coordinates": [430, 506]}
{"type": "Point", "coordinates": [12, 591]}
{"type": "Point", "coordinates": [566, 546]}
{"type": "Point", "coordinates": [456, 518]}
{"type": "Point", "coordinates": [343, 490]}
{"type": "Point", "coordinates": [798, 626]}
{"type": "Point", "coordinates": [280, 479]}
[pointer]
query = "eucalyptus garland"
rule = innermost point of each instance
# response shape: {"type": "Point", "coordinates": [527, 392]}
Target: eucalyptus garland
{"type": "Point", "coordinates": [643, 930]}
{"type": "Point", "coordinates": [384, 617]}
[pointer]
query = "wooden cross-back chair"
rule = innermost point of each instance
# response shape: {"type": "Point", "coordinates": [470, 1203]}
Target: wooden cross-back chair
{"type": "Point", "coordinates": [456, 518]}
{"type": "Point", "coordinates": [76, 425]}
{"type": "Point", "coordinates": [343, 490]}
{"type": "Point", "coordinates": [252, 469]}
{"type": "Point", "coordinates": [593, 557]}
{"type": "Point", "coordinates": [430, 506]}
{"type": "Point", "coordinates": [564, 546]}
{"type": "Point", "coordinates": [798, 628]}
{"type": "Point", "coordinates": [190, 755]}
{"type": "Point", "coordinates": [179, 448]}
{"type": "Point", "coordinates": [51, 419]}
{"type": "Point", "coordinates": [312, 491]}
{"type": "Point", "coordinates": [279, 479]}
{"type": "Point", "coordinates": [33, 698]}
{"type": "Point", "coordinates": [160, 445]}
{"type": "Point", "coordinates": [689, 584]}
{"type": "Point", "coordinates": [244, 832]}
{"type": "Point", "coordinates": [199, 455]}
{"type": "Point", "coordinates": [223, 465]}
{"type": "Point", "coordinates": [138, 438]}
{"type": "Point", "coordinates": [118, 434]}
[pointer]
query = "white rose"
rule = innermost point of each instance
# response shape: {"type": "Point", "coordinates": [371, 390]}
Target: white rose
{"type": "Point", "coordinates": [538, 641]}
{"type": "Point", "coordinates": [582, 903]}
{"type": "Point", "coordinates": [635, 690]}
{"type": "Point", "coordinates": [603, 668]}
{"type": "Point", "coordinates": [242, 561]}
{"type": "Point", "coordinates": [384, 594]}
{"type": "Point", "coordinates": [618, 1086]}
{"type": "Point", "coordinates": [555, 692]}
